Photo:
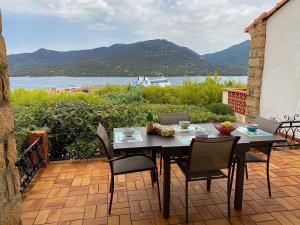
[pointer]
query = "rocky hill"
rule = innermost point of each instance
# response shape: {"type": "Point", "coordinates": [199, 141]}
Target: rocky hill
{"type": "Point", "coordinates": [235, 56]}
{"type": "Point", "coordinates": [151, 58]}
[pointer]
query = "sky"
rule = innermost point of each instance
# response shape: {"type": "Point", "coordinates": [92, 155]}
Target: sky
{"type": "Point", "coordinates": [204, 26]}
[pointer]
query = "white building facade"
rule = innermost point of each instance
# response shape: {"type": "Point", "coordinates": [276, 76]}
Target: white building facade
{"type": "Point", "coordinates": [280, 90]}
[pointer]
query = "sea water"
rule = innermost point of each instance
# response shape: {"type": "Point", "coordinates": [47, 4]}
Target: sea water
{"type": "Point", "coordinates": [69, 82]}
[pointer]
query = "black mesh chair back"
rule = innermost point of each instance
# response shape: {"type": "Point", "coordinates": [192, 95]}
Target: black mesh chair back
{"type": "Point", "coordinates": [173, 118]}
{"type": "Point", "coordinates": [206, 160]}
{"type": "Point", "coordinates": [169, 119]}
{"type": "Point", "coordinates": [267, 125]}
{"type": "Point", "coordinates": [251, 157]}
{"type": "Point", "coordinates": [103, 136]}
{"type": "Point", "coordinates": [208, 154]}
{"type": "Point", "coordinates": [125, 164]}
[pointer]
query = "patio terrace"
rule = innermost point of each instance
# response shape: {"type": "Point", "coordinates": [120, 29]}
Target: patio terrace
{"type": "Point", "coordinates": [76, 193]}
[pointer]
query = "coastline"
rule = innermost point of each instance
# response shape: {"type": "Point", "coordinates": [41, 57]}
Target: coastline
{"type": "Point", "coordinates": [63, 82]}
{"type": "Point", "coordinates": [133, 76]}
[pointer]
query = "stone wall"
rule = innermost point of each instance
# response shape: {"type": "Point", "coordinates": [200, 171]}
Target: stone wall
{"type": "Point", "coordinates": [256, 66]}
{"type": "Point", "coordinates": [9, 177]}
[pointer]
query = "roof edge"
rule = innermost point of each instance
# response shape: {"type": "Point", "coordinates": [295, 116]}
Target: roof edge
{"type": "Point", "coordinates": [266, 15]}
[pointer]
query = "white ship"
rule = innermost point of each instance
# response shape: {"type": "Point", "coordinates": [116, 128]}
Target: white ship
{"type": "Point", "coordinates": [145, 81]}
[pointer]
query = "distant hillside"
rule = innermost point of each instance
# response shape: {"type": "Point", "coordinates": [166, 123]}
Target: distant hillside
{"type": "Point", "coordinates": [236, 56]}
{"type": "Point", "coordinates": [151, 58]}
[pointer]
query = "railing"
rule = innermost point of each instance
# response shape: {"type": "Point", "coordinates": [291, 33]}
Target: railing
{"type": "Point", "coordinates": [37, 155]}
{"type": "Point", "coordinates": [30, 162]}
{"type": "Point", "coordinates": [290, 129]}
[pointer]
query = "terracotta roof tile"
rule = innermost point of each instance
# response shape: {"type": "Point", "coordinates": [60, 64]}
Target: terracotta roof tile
{"type": "Point", "coordinates": [266, 15]}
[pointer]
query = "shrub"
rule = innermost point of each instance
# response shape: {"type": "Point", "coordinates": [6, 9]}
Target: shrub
{"type": "Point", "coordinates": [125, 97]}
{"type": "Point", "coordinates": [161, 95]}
{"type": "Point", "coordinates": [220, 109]}
{"type": "Point", "coordinates": [234, 84]}
{"type": "Point", "coordinates": [73, 123]}
{"type": "Point", "coordinates": [39, 98]}
{"type": "Point", "coordinates": [190, 93]}
{"type": "Point", "coordinates": [82, 149]}
{"type": "Point", "coordinates": [212, 89]}
{"type": "Point", "coordinates": [108, 88]}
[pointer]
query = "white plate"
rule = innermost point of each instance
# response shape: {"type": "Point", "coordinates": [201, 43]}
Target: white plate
{"type": "Point", "coordinates": [128, 138]}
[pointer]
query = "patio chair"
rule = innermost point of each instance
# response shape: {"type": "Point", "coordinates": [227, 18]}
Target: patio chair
{"type": "Point", "coordinates": [169, 119]}
{"type": "Point", "coordinates": [125, 164]}
{"type": "Point", "coordinates": [207, 159]}
{"type": "Point", "coordinates": [272, 128]}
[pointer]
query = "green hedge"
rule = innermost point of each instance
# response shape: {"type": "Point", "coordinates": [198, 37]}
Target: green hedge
{"type": "Point", "coordinates": [71, 124]}
{"type": "Point", "coordinates": [220, 108]}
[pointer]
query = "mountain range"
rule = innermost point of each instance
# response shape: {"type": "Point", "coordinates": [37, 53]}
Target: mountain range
{"type": "Point", "coordinates": [236, 55]}
{"type": "Point", "coordinates": [149, 58]}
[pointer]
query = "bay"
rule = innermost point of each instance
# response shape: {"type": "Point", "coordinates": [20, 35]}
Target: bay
{"type": "Point", "coordinates": [69, 82]}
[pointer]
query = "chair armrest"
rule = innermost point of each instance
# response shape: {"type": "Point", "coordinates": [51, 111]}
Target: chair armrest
{"type": "Point", "coordinates": [129, 156]}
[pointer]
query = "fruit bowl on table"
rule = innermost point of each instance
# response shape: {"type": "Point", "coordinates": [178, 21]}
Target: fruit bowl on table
{"type": "Point", "coordinates": [225, 130]}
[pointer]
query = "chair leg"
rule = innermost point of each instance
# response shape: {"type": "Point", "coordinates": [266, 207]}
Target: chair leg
{"type": "Point", "coordinates": [208, 183]}
{"type": "Point", "coordinates": [160, 163]}
{"type": "Point", "coordinates": [158, 190]}
{"type": "Point", "coordinates": [112, 184]}
{"type": "Point", "coordinates": [228, 196]}
{"type": "Point", "coordinates": [186, 201]}
{"type": "Point", "coordinates": [154, 176]}
{"type": "Point", "coordinates": [268, 179]}
{"type": "Point", "coordinates": [232, 176]}
{"type": "Point", "coordinates": [109, 188]}
{"type": "Point", "coordinates": [246, 170]}
{"type": "Point", "coordinates": [152, 181]}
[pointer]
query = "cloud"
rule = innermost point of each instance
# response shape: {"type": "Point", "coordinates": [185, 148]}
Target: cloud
{"type": "Point", "coordinates": [203, 25]}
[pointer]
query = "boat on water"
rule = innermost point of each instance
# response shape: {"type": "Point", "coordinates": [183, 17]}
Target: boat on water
{"type": "Point", "coordinates": [145, 81]}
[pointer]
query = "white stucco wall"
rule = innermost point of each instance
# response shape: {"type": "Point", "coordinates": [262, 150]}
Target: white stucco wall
{"type": "Point", "coordinates": [281, 77]}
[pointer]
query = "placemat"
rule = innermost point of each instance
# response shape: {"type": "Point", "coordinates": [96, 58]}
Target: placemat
{"type": "Point", "coordinates": [192, 127]}
{"type": "Point", "coordinates": [257, 133]}
{"type": "Point", "coordinates": [120, 137]}
{"type": "Point", "coordinates": [186, 140]}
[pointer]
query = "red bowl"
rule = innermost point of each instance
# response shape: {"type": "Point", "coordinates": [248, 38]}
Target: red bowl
{"type": "Point", "coordinates": [224, 130]}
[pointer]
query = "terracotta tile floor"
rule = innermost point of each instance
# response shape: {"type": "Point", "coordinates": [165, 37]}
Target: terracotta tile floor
{"type": "Point", "coordinates": [75, 193]}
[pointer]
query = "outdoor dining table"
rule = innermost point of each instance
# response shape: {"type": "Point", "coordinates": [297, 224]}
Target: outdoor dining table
{"type": "Point", "coordinates": [179, 145]}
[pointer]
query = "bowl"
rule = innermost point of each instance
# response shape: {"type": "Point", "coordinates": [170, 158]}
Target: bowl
{"type": "Point", "coordinates": [128, 132]}
{"type": "Point", "coordinates": [184, 124]}
{"type": "Point", "coordinates": [252, 127]}
{"type": "Point", "coordinates": [225, 130]}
